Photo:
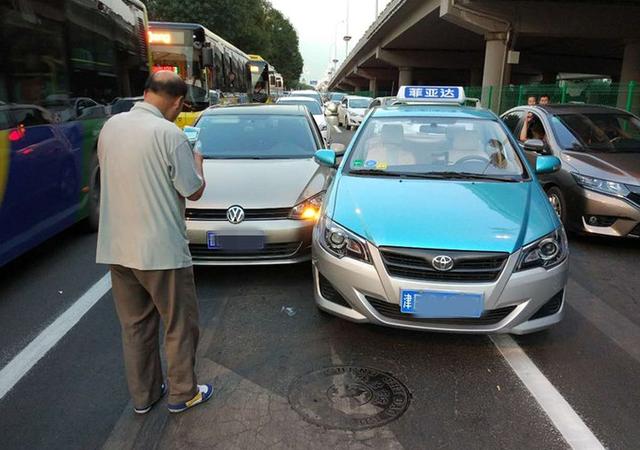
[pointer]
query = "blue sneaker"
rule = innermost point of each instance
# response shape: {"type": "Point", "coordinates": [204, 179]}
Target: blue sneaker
{"type": "Point", "coordinates": [146, 409]}
{"type": "Point", "coordinates": [205, 391]}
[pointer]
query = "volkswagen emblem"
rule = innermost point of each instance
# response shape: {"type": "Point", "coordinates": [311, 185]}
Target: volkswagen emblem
{"type": "Point", "coordinates": [235, 214]}
{"type": "Point", "coordinates": [442, 263]}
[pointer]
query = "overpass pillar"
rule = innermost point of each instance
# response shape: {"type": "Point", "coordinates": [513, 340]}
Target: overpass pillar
{"type": "Point", "coordinates": [630, 70]}
{"type": "Point", "coordinates": [405, 76]}
{"type": "Point", "coordinates": [493, 75]}
{"type": "Point", "coordinates": [373, 86]}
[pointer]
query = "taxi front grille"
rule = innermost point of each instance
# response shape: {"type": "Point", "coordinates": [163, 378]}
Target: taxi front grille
{"type": "Point", "coordinates": [270, 251]}
{"type": "Point", "coordinates": [249, 214]}
{"type": "Point", "coordinates": [469, 267]}
{"type": "Point", "coordinates": [392, 311]}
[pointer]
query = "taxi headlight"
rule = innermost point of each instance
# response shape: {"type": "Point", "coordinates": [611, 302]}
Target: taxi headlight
{"type": "Point", "coordinates": [600, 185]}
{"type": "Point", "coordinates": [308, 209]}
{"type": "Point", "coordinates": [340, 242]}
{"type": "Point", "coordinates": [547, 252]}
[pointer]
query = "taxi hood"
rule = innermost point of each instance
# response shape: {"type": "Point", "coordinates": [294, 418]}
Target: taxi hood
{"type": "Point", "coordinates": [443, 214]}
{"type": "Point", "coordinates": [260, 183]}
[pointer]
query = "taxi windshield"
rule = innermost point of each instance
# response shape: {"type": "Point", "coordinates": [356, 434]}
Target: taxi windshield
{"type": "Point", "coordinates": [435, 147]}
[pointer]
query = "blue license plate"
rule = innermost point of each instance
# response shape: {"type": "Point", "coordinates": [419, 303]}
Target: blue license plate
{"type": "Point", "coordinates": [234, 242]}
{"type": "Point", "coordinates": [441, 305]}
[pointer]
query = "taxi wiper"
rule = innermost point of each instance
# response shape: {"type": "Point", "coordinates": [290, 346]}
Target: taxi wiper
{"type": "Point", "coordinates": [449, 175]}
{"type": "Point", "coordinates": [376, 172]}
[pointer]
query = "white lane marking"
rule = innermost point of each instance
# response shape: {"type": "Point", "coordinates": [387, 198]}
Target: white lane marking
{"type": "Point", "coordinates": [564, 418]}
{"type": "Point", "coordinates": [617, 327]}
{"type": "Point", "coordinates": [49, 337]}
{"type": "Point", "coordinates": [335, 127]}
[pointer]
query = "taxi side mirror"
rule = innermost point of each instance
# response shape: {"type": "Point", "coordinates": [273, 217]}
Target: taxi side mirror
{"type": "Point", "coordinates": [325, 157]}
{"type": "Point", "coordinates": [192, 134]}
{"type": "Point", "coordinates": [338, 149]}
{"type": "Point", "coordinates": [547, 164]}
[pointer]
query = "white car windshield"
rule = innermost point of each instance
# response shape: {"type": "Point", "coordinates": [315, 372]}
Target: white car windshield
{"type": "Point", "coordinates": [438, 147]}
{"type": "Point", "coordinates": [359, 102]}
{"type": "Point", "coordinates": [314, 107]}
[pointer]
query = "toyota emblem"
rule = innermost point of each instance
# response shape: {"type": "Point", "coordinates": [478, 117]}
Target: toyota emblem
{"type": "Point", "coordinates": [442, 263]}
{"type": "Point", "coordinates": [235, 214]}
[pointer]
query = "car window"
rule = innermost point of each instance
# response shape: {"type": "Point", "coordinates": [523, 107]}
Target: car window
{"type": "Point", "coordinates": [313, 107]}
{"type": "Point", "coordinates": [359, 102]}
{"type": "Point", "coordinates": [30, 117]}
{"type": "Point", "coordinates": [255, 136]}
{"type": "Point", "coordinates": [435, 145]}
{"type": "Point", "coordinates": [5, 120]}
{"type": "Point", "coordinates": [610, 132]}
{"type": "Point", "coordinates": [512, 120]}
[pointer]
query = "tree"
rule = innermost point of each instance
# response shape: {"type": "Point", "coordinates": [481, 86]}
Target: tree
{"type": "Point", "coordinates": [254, 26]}
{"type": "Point", "coordinates": [283, 51]}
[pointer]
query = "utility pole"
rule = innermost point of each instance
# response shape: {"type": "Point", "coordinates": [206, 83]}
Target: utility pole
{"type": "Point", "coordinates": [347, 37]}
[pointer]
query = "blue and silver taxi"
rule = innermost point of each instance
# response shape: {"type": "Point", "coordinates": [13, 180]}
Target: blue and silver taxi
{"type": "Point", "coordinates": [436, 221]}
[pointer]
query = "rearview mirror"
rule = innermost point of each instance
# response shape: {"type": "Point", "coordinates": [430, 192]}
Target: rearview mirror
{"type": "Point", "coordinates": [547, 164]}
{"type": "Point", "coordinates": [325, 157]}
{"type": "Point", "coordinates": [207, 57]}
{"type": "Point", "coordinates": [534, 145]}
{"type": "Point", "coordinates": [192, 134]}
{"type": "Point", "coordinates": [338, 148]}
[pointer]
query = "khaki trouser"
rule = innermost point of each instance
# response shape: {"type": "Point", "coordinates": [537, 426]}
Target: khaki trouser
{"type": "Point", "coordinates": [142, 297]}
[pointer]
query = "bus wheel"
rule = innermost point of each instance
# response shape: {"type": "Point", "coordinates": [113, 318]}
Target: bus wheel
{"type": "Point", "coordinates": [94, 195]}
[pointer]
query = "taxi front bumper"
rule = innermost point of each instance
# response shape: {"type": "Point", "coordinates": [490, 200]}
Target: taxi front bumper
{"type": "Point", "coordinates": [516, 302]}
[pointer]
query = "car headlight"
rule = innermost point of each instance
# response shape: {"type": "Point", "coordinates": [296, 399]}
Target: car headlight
{"type": "Point", "coordinates": [547, 252]}
{"type": "Point", "coordinates": [600, 185]}
{"type": "Point", "coordinates": [308, 209]}
{"type": "Point", "coordinates": [341, 242]}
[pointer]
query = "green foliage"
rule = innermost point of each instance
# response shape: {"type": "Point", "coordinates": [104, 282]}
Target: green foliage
{"type": "Point", "coordinates": [254, 26]}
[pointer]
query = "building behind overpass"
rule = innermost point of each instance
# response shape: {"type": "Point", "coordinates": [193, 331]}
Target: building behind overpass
{"type": "Point", "coordinates": [499, 45]}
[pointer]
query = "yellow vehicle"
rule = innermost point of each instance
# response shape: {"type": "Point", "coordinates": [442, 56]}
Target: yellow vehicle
{"type": "Point", "coordinates": [216, 71]}
{"type": "Point", "coordinates": [264, 79]}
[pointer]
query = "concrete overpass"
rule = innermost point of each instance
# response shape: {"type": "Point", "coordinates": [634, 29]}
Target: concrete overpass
{"type": "Point", "coordinates": [493, 43]}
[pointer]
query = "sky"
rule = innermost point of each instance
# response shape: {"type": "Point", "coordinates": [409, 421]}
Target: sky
{"type": "Point", "coordinates": [318, 23]}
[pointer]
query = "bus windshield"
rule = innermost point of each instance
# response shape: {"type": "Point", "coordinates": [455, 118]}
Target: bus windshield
{"type": "Point", "coordinates": [173, 50]}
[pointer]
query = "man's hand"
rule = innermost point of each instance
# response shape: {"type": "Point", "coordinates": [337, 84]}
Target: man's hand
{"type": "Point", "coordinates": [199, 160]}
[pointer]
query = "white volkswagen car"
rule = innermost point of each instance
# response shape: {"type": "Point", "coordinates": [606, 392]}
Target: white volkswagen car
{"type": "Point", "coordinates": [264, 188]}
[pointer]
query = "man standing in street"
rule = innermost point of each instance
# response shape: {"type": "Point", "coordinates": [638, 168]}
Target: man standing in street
{"type": "Point", "coordinates": [147, 169]}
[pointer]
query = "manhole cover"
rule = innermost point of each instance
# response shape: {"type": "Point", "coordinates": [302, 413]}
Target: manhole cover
{"type": "Point", "coordinates": [349, 398]}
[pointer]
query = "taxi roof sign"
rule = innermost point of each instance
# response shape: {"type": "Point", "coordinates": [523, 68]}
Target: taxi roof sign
{"type": "Point", "coordinates": [432, 94]}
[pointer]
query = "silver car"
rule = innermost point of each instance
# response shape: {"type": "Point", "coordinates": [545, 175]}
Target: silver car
{"type": "Point", "coordinates": [264, 188]}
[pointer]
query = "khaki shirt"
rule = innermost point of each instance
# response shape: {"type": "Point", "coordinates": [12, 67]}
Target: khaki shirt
{"type": "Point", "coordinates": [146, 170]}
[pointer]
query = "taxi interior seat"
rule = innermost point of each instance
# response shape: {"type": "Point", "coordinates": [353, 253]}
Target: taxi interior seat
{"type": "Point", "coordinates": [390, 146]}
{"type": "Point", "coordinates": [433, 146]}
